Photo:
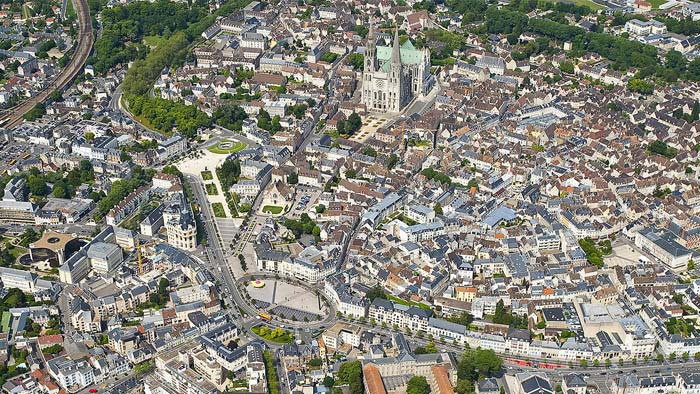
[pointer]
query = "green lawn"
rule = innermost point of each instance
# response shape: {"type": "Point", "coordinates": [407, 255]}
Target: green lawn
{"type": "Point", "coordinates": [227, 147]}
{"type": "Point", "coordinates": [26, 11]}
{"type": "Point", "coordinates": [218, 210]}
{"type": "Point", "coordinates": [207, 176]}
{"type": "Point", "coordinates": [407, 303]}
{"type": "Point", "coordinates": [211, 189]}
{"type": "Point", "coordinates": [592, 5]}
{"type": "Point", "coordinates": [18, 251]}
{"type": "Point", "coordinates": [70, 11]}
{"type": "Point", "coordinates": [5, 323]}
{"type": "Point", "coordinates": [273, 209]}
{"type": "Point", "coordinates": [656, 3]}
{"type": "Point", "coordinates": [274, 334]}
{"type": "Point", "coordinates": [153, 41]}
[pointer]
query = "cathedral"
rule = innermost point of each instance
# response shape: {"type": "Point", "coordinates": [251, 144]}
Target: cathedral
{"type": "Point", "coordinates": [393, 74]}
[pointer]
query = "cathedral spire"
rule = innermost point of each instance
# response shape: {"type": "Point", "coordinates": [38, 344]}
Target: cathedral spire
{"type": "Point", "coordinates": [396, 51]}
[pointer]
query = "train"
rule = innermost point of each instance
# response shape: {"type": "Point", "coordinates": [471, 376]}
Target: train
{"type": "Point", "coordinates": [535, 364]}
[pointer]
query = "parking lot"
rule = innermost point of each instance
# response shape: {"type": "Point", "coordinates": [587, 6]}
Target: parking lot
{"type": "Point", "coordinates": [15, 152]}
{"type": "Point", "coordinates": [306, 201]}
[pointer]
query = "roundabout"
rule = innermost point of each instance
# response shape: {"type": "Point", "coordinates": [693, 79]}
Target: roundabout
{"type": "Point", "coordinates": [227, 147]}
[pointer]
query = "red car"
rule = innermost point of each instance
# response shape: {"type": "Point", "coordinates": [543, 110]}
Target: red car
{"type": "Point", "coordinates": [93, 390]}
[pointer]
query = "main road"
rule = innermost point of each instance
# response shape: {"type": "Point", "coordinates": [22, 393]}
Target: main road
{"type": "Point", "coordinates": [13, 116]}
{"type": "Point", "coordinates": [217, 262]}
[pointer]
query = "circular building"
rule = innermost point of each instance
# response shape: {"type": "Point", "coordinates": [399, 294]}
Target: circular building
{"type": "Point", "coordinates": [54, 247]}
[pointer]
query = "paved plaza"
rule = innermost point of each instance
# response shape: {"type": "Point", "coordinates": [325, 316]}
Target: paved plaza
{"type": "Point", "coordinates": [288, 298]}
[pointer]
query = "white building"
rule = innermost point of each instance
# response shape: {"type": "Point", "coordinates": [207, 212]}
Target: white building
{"type": "Point", "coordinates": [104, 257]}
{"type": "Point", "coordinates": [14, 278]}
{"type": "Point", "coordinates": [664, 247]}
{"type": "Point", "coordinates": [645, 28]}
{"type": "Point", "coordinates": [71, 373]}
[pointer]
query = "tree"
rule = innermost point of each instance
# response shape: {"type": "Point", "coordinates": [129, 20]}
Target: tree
{"type": "Point", "coordinates": [340, 126]}
{"type": "Point", "coordinates": [640, 86]}
{"type": "Point", "coordinates": [376, 292]}
{"type": "Point", "coordinates": [53, 349]}
{"type": "Point", "coordinates": [567, 67]}
{"type": "Point", "coordinates": [430, 348]}
{"type": "Point", "coordinates": [229, 172]}
{"type": "Point", "coordinates": [37, 185]}
{"type": "Point", "coordinates": [36, 112]}
{"type": "Point", "coordinates": [691, 265]}
{"type": "Point", "coordinates": [29, 236]}
{"type": "Point", "coordinates": [418, 385]}
{"type": "Point", "coordinates": [350, 373]}
{"type": "Point", "coordinates": [230, 117]}
{"type": "Point", "coordinates": [473, 364]}
{"type": "Point", "coordinates": [328, 381]}
{"type": "Point", "coordinates": [356, 60]}
{"type": "Point", "coordinates": [391, 161]}
{"type": "Point", "coordinates": [369, 151]}
{"type": "Point", "coordinates": [353, 123]}
{"type": "Point", "coordinates": [584, 363]}
{"type": "Point", "coordinates": [163, 285]}
{"type": "Point", "coordinates": [315, 362]}
{"type": "Point", "coordinates": [438, 209]}
{"type": "Point", "coordinates": [59, 191]}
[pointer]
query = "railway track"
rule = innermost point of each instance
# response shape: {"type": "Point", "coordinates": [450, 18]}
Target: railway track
{"type": "Point", "coordinates": [13, 116]}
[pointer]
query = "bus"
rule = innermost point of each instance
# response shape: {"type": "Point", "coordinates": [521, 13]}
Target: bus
{"type": "Point", "coordinates": [25, 157]}
{"type": "Point", "coordinates": [13, 161]}
{"type": "Point", "coordinates": [265, 316]}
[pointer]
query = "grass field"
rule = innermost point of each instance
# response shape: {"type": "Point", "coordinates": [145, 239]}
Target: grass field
{"type": "Point", "coordinates": [211, 189]}
{"type": "Point", "coordinates": [153, 41]}
{"type": "Point", "coordinates": [17, 251]}
{"type": "Point", "coordinates": [273, 209]}
{"type": "Point", "coordinates": [207, 176]}
{"type": "Point", "coordinates": [218, 210]}
{"type": "Point", "coordinates": [407, 303]}
{"type": "Point", "coordinates": [656, 3]}
{"type": "Point", "coordinates": [226, 147]}
{"type": "Point", "coordinates": [26, 11]}
{"type": "Point", "coordinates": [592, 5]}
{"type": "Point", "coordinates": [70, 11]}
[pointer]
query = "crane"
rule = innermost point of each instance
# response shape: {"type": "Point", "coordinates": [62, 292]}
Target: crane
{"type": "Point", "coordinates": [138, 253]}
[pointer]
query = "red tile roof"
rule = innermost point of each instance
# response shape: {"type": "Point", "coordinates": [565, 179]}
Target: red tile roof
{"type": "Point", "coordinates": [373, 380]}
